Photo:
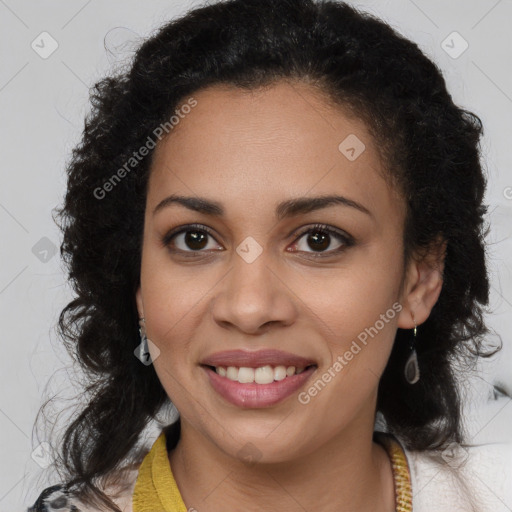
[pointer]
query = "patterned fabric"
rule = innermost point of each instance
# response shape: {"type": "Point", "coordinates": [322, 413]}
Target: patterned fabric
{"type": "Point", "coordinates": [53, 499]}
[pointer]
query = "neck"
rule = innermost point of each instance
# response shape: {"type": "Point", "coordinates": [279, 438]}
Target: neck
{"type": "Point", "coordinates": [350, 472]}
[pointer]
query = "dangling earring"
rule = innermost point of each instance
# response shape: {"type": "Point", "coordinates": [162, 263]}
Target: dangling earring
{"type": "Point", "coordinates": [142, 351]}
{"type": "Point", "coordinates": [412, 369]}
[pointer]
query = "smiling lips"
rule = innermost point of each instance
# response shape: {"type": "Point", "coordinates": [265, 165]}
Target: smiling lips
{"type": "Point", "coordinates": [257, 379]}
{"type": "Point", "coordinates": [240, 358]}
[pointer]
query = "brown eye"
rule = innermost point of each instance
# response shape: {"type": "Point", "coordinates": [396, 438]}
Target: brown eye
{"type": "Point", "coordinates": [195, 240]}
{"type": "Point", "coordinates": [319, 239]}
{"type": "Point", "coordinates": [188, 239]}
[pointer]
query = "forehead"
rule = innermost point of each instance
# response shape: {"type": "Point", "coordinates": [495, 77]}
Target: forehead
{"type": "Point", "coordinates": [258, 146]}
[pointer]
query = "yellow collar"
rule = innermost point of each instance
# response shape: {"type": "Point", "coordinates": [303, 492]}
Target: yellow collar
{"type": "Point", "coordinates": [156, 489]}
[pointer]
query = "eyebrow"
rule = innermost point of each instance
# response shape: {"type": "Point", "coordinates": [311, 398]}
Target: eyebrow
{"type": "Point", "coordinates": [285, 209]}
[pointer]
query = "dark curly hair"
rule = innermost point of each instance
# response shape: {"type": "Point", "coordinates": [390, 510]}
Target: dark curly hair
{"type": "Point", "coordinates": [432, 155]}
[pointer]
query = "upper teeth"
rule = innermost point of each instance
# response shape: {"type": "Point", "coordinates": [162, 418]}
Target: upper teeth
{"type": "Point", "coordinates": [261, 375]}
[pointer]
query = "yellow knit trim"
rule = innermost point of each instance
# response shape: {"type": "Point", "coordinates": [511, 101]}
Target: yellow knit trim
{"type": "Point", "coordinates": [155, 488]}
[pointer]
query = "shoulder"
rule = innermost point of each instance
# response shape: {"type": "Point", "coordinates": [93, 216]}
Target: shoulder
{"type": "Point", "coordinates": [477, 478]}
{"type": "Point", "coordinates": [58, 498]}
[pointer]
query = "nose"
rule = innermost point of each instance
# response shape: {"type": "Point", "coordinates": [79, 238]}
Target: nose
{"type": "Point", "coordinates": [253, 296]}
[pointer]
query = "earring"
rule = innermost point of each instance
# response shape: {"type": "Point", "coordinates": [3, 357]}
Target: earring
{"type": "Point", "coordinates": [142, 351]}
{"type": "Point", "coordinates": [142, 330]}
{"type": "Point", "coordinates": [412, 369]}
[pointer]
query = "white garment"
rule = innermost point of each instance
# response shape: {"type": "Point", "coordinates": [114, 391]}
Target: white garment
{"type": "Point", "coordinates": [477, 479]}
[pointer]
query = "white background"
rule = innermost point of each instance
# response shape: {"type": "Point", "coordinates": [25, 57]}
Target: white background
{"type": "Point", "coordinates": [42, 105]}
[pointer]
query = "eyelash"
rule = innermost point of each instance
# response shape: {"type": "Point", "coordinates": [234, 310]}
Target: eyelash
{"type": "Point", "coordinates": [347, 240]}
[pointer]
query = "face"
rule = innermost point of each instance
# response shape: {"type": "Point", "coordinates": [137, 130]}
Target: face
{"type": "Point", "coordinates": [251, 275]}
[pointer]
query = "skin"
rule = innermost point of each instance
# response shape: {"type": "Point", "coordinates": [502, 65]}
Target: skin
{"type": "Point", "coordinates": [250, 151]}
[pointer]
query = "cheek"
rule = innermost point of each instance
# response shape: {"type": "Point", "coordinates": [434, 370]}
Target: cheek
{"type": "Point", "coordinates": [170, 306]}
{"type": "Point", "coordinates": [356, 310]}
{"type": "Point", "coordinates": [348, 299]}
{"type": "Point", "coordinates": [173, 293]}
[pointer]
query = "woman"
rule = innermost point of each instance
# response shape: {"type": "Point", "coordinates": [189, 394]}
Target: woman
{"type": "Point", "coordinates": [278, 211]}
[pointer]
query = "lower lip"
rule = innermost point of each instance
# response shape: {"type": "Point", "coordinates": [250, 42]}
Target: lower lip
{"type": "Point", "coordinates": [254, 395]}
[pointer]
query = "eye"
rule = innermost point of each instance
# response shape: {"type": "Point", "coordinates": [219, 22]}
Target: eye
{"type": "Point", "coordinates": [320, 238]}
{"type": "Point", "coordinates": [193, 239]}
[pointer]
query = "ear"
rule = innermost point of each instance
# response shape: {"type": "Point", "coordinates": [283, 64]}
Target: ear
{"type": "Point", "coordinates": [138, 300]}
{"type": "Point", "coordinates": [422, 285]}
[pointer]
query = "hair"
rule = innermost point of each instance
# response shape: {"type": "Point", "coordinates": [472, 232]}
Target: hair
{"type": "Point", "coordinates": [431, 150]}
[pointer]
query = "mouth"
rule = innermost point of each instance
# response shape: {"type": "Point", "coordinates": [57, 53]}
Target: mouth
{"type": "Point", "coordinates": [263, 386]}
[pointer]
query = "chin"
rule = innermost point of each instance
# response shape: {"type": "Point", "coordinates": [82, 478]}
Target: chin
{"type": "Point", "coordinates": [257, 447]}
